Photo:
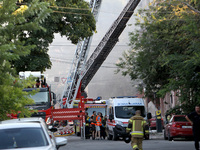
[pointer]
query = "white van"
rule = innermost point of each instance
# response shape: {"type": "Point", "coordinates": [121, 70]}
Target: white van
{"type": "Point", "coordinates": [120, 110]}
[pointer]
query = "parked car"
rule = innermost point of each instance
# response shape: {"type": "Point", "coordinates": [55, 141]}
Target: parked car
{"type": "Point", "coordinates": [28, 134]}
{"type": "Point", "coordinates": [152, 122]}
{"type": "Point", "coordinates": [178, 126]}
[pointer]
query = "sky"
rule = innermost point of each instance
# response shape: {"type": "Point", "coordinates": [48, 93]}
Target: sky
{"type": "Point", "coordinates": [105, 83]}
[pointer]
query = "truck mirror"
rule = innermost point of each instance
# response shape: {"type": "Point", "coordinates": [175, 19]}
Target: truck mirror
{"type": "Point", "coordinates": [54, 96]}
{"type": "Point", "coordinates": [54, 101]}
{"type": "Point", "coordinates": [149, 116]}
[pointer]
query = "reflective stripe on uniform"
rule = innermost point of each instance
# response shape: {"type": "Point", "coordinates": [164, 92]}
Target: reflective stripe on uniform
{"type": "Point", "coordinates": [146, 131]}
{"type": "Point", "coordinates": [130, 120]}
{"type": "Point", "coordinates": [137, 133]}
{"type": "Point", "coordinates": [135, 146]}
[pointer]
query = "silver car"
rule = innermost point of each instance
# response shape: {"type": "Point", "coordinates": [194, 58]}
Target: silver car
{"type": "Point", "coordinates": [28, 134]}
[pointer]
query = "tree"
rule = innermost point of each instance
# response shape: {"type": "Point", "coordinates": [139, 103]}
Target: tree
{"type": "Point", "coordinates": [166, 50]}
{"type": "Point", "coordinates": [14, 24]}
{"type": "Point", "coordinates": [70, 18]}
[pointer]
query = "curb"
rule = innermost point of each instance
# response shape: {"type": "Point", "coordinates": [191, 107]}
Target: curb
{"type": "Point", "coordinates": [156, 135]}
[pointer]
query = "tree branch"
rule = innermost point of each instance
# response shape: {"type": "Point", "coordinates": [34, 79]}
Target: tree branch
{"type": "Point", "coordinates": [195, 10]}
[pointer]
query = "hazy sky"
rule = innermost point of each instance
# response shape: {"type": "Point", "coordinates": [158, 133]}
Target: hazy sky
{"type": "Point", "coordinates": [105, 83]}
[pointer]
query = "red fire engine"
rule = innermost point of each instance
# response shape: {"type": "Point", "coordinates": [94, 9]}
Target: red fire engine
{"type": "Point", "coordinates": [44, 99]}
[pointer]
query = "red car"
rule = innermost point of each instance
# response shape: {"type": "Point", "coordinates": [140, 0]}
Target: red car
{"type": "Point", "coordinates": [178, 126]}
{"type": "Point", "coordinates": [152, 122]}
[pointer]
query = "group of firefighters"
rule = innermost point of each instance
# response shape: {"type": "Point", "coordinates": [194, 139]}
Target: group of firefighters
{"type": "Point", "coordinates": [95, 125]}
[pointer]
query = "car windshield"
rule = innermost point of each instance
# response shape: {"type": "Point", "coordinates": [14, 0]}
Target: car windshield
{"type": "Point", "coordinates": [180, 119]}
{"type": "Point", "coordinates": [40, 97]}
{"type": "Point", "coordinates": [128, 111]}
{"type": "Point", "coordinates": [22, 138]}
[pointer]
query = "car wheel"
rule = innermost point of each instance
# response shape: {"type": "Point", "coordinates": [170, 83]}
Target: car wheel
{"type": "Point", "coordinates": [110, 137]}
{"type": "Point", "coordinates": [165, 137]}
{"type": "Point", "coordinates": [169, 137]}
{"type": "Point", "coordinates": [115, 137]}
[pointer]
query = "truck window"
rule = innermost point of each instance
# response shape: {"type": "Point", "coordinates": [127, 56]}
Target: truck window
{"type": "Point", "coordinates": [128, 111]}
{"type": "Point", "coordinates": [40, 97]}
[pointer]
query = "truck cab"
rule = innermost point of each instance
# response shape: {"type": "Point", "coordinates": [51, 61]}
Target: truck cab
{"type": "Point", "coordinates": [44, 99]}
{"type": "Point", "coordinates": [120, 110]}
{"type": "Point", "coordinates": [43, 103]}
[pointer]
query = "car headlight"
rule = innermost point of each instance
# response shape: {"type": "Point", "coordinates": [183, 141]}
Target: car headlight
{"type": "Point", "coordinates": [48, 122]}
{"type": "Point", "coordinates": [119, 122]}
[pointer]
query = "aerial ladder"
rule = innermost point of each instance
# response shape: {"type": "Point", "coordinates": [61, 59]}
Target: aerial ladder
{"type": "Point", "coordinates": [79, 60]}
{"type": "Point", "coordinates": [83, 70]}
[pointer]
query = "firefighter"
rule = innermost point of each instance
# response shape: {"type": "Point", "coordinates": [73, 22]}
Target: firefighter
{"type": "Point", "coordinates": [93, 122]}
{"type": "Point", "coordinates": [103, 127]}
{"type": "Point", "coordinates": [136, 126]}
{"type": "Point", "coordinates": [87, 126]}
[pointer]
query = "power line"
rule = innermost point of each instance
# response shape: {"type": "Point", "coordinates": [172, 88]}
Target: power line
{"type": "Point", "coordinates": [71, 8]}
{"type": "Point", "coordinates": [72, 13]}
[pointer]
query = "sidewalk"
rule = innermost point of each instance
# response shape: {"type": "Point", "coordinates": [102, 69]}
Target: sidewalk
{"type": "Point", "coordinates": [154, 135]}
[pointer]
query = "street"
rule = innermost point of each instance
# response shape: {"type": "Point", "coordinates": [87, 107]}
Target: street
{"type": "Point", "coordinates": [75, 143]}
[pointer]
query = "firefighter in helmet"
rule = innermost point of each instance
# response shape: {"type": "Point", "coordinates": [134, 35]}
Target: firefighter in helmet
{"type": "Point", "coordinates": [136, 126]}
{"type": "Point", "coordinates": [87, 126]}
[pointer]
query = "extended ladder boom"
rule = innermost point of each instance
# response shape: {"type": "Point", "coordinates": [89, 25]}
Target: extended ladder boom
{"type": "Point", "coordinates": [79, 60]}
{"type": "Point", "coordinates": [107, 43]}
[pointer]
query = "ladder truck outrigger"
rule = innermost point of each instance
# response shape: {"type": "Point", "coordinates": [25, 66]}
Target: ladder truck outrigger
{"type": "Point", "coordinates": [83, 70]}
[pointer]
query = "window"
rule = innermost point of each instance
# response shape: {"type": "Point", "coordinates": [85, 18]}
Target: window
{"type": "Point", "coordinates": [128, 111]}
{"type": "Point", "coordinates": [40, 97]}
{"type": "Point", "coordinates": [180, 119]}
{"type": "Point", "coordinates": [22, 138]}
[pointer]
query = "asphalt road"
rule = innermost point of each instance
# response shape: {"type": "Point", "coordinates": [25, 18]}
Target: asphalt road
{"type": "Point", "coordinates": [75, 143]}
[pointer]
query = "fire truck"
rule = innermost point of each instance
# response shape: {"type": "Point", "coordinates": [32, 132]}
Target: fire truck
{"type": "Point", "coordinates": [82, 71]}
{"type": "Point", "coordinates": [44, 99]}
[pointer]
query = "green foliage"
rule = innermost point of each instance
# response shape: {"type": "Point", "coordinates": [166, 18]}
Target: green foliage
{"type": "Point", "coordinates": [69, 18]}
{"type": "Point", "coordinates": [13, 24]}
{"type": "Point", "coordinates": [166, 50]}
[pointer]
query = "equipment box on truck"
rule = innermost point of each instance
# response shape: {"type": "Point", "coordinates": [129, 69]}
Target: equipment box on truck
{"type": "Point", "coordinates": [120, 110]}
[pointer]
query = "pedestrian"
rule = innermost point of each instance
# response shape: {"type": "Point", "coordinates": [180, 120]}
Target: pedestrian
{"type": "Point", "coordinates": [103, 127]}
{"type": "Point", "coordinates": [87, 126]}
{"type": "Point", "coordinates": [98, 124]}
{"type": "Point", "coordinates": [93, 122]}
{"type": "Point", "coordinates": [136, 126]}
{"type": "Point", "coordinates": [194, 119]}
